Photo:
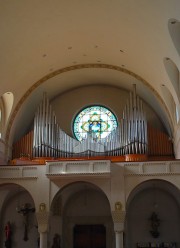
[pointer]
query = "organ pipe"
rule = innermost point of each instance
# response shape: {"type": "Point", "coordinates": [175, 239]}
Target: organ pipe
{"type": "Point", "coordinates": [130, 137]}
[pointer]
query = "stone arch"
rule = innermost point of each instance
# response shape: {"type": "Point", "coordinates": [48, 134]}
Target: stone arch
{"type": "Point", "coordinates": [80, 203]}
{"type": "Point", "coordinates": [13, 200]}
{"type": "Point", "coordinates": [153, 196]}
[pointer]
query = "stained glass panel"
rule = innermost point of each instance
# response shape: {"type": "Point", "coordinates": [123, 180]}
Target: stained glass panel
{"type": "Point", "coordinates": [96, 120]}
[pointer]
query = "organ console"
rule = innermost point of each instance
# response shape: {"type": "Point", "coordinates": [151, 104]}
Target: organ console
{"type": "Point", "coordinates": [132, 137]}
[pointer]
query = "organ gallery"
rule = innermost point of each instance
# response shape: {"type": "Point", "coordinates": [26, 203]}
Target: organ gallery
{"type": "Point", "coordinates": [130, 138]}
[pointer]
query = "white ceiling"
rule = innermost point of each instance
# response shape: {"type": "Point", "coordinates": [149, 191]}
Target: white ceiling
{"type": "Point", "coordinates": [129, 38]}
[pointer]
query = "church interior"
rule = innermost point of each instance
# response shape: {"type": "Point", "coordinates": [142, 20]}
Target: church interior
{"type": "Point", "coordinates": [90, 124]}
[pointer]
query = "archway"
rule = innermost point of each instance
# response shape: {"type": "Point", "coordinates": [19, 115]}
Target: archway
{"type": "Point", "coordinates": [82, 217]}
{"type": "Point", "coordinates": [22, 228]}
{"type": "Point", "coordinates": [153, 216]}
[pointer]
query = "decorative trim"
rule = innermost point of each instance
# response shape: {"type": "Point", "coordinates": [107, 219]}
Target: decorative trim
{"type": "Point", "coordinates": [152, 174]}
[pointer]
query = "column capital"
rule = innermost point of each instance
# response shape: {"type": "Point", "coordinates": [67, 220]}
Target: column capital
{"type": "Point", "coordinates": [43, 221]}
{"type": "Point", "coordinates": [118, 216]}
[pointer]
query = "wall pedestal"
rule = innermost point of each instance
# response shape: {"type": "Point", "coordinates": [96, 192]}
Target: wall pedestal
{"type": "Point", "coordinates": [42, 218]}
{"type": "Point", "coordinates": [119, 218]}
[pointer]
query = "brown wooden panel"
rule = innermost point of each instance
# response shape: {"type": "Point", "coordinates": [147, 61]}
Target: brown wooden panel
{"type": "Point", "coordinates": [159, 143]}
{"type": "Point", "coordinates": [23, 147]}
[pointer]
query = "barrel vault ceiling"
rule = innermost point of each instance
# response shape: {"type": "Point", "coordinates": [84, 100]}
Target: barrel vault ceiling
{"type": "Point", "coordinates": [58, 45]}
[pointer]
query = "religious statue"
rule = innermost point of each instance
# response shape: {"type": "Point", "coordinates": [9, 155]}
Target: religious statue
{"type": "Point", "coordinates": [8, 233]}
{"type": "Point", "coordinates": [56, 241]}
{"type": "Point", "coordinates": [155, 223]}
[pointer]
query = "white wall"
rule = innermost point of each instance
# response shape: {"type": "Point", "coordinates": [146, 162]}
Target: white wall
{"type": "Point", "coordinates": [67, 105]}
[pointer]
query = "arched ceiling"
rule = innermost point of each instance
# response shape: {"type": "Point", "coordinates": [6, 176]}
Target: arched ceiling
{"type": "Point", "coordinates": [40, 38]}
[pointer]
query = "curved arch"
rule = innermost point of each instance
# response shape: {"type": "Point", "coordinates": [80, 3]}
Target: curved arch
{"type": "Point", "coordinates": [80, 204]}
{"type": "Point", "coordinates": [157, 198]}
{"type": "Point", "coordinates": [78, 67]}
{"type": "Point", "coordinates": [14, 189]}
{"type": "Point", "coordinates": [75, 186]}
{"type": "Point", "coordinates": [174, 31]}
{"type": "Point", "coordinates": [6, 104]}
{"type": "Point", "coordinates": [149, 184]}
{"type": "Point", "coordinates": [170, 100]}
{"type": "Point", "coordinates": [13, 200]}
{"type": "Point", "coordinates": [173, 73]}
{"type": "Point", "coordinates": [174, 76]}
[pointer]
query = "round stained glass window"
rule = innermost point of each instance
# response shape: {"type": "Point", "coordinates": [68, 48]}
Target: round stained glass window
{"type": "Point", "coordinates": [97, 121]}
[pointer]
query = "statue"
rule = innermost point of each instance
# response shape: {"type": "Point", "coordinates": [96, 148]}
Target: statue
{"type": "Point", "coordinates": [155, 223]}
{"type": "Point", "coordinates": [8, 235]}
{"type": "Point", "coordinates": [56, 241]}
{"type": "Point", "coordinates": [25, 210]}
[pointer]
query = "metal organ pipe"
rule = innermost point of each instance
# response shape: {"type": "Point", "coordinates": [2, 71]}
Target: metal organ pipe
{"type": "Point", "coordinates": [129, 137]}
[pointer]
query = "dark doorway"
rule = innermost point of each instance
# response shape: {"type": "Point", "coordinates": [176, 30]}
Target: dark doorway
{"type": "Point", "coordinates": [89, 236]}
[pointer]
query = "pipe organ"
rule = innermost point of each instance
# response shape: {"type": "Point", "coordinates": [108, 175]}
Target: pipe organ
{"type": "Point", "coordinates": [130, 137]}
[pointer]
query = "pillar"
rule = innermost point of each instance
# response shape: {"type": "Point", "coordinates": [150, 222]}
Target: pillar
{"type": "Point", "coordinates": [119, 218]}
{"type": "Point", "coordinates": [43, 240]}
{"type": "Point", "coordinates": [119, 237]}
{"type": "Point", "coordinates": [42, 219]}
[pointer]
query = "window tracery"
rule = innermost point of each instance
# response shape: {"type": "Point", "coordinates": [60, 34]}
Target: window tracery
{"type": "Point", "coordinates": [97, 121]}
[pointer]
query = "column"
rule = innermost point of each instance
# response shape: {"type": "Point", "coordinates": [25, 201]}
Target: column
{"type": "Point", "coordinates": [119, 217]}
{"type": "Point", "coordinates": [43, 240]}
{"type": "Point", "coordinates": [42, 219]}
{"type": "Point", "coordinates": [119, 238]}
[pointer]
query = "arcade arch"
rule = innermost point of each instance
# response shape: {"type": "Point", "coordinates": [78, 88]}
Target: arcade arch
{"type": "Point", "coordinates": [153, 197]}
{"type": "Point", "coordinates": [81, 206]}
{"type": "Point", "coordinates": [13, 199]}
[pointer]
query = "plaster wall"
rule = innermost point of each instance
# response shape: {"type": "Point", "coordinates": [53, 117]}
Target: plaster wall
{"type": "Point", "coordinates": [67, 105]}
